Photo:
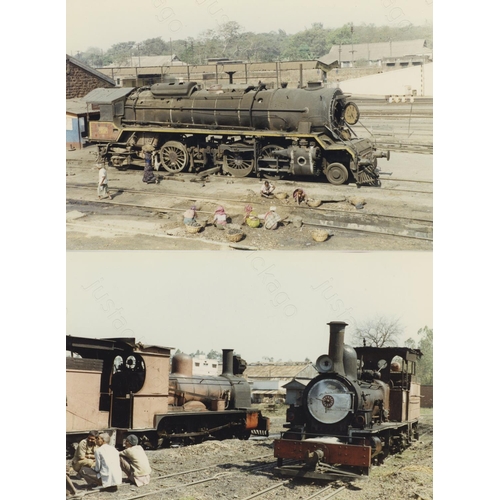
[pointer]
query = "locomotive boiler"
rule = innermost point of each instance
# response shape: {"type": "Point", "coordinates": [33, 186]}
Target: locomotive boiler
{"type": "Point", "coordinates": [124, 386]}
{"type": "Point", "coordinates": [363, 405]}
{"type": "Point", "coordinates": [239, 129]}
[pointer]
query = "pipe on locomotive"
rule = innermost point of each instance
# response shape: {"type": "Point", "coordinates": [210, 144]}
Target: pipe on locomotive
{"type": "Point", "coordinates": [227, 362]}
{"type": "Point", "coordinates": [343, 356]}
{"type": "Point", "coordinates": [336, 345]}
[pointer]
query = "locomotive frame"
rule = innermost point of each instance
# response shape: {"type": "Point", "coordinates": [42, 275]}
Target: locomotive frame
{"type": "Point", "coordinates": [360, 409]}
{"type": "Point", "coordinates": [123, 386]}
{"type": "Point", "coordinates": [237, 129]}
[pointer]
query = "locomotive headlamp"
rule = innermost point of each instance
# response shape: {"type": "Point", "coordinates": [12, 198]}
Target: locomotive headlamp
{"type": "Point", "coordinates": [324, 363]}
{"type": "Point", "coordinates": [351, 113]}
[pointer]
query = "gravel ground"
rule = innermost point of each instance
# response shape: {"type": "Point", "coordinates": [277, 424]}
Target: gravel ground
{"type": "Point", "coordinates": [101, 226]}
{"type": "Point", "coordinates": [238, 469]}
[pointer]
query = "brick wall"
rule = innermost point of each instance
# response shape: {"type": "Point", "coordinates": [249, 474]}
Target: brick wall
{"type": "Point", "coordinates": [80, 82]}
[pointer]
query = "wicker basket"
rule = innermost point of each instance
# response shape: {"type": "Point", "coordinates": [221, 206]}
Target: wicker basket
{"type": "Point", "coordinates": [234, 235]}
{"type": "Point", "coordinates": [253, 221]}
{"type": "Point", "coordinates": [193, 228]}
{"type": "Point", "coordinates": [314, 203]}
{"type": "Point", "coordinates": [281, 196]}
{"type": "Point", "coordinates": [320, 235]}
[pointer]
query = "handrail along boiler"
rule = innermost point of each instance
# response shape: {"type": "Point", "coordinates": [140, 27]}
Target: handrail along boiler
{"type": "Point", "coordinates": [362, 406]}
{"type": "Point", "coordinates": [239, 128]}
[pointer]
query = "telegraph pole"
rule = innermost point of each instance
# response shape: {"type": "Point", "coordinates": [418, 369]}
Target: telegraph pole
{"type": "Point", "coordinates": [352, 46]}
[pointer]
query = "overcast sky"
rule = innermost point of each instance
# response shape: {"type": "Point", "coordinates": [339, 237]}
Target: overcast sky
{"type": "Point", "coordinates": [102, 23]}
{"type": "Point", "coordinates": [272, 304]}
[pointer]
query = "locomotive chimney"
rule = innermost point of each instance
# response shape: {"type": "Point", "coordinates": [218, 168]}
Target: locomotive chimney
{"type": "Point", "coordinates": [227, 362]}
{"type": "Point", "coordinates": [336, 346]}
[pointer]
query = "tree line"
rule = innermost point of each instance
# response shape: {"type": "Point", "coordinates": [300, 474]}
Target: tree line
{"type": "Point", "coordinates": [376, 332]}
{"type": "Point", "coordinates": [232, 42]}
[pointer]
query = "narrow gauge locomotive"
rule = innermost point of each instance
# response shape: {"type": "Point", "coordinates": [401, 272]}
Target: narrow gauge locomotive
{"type": "Point", "coordinates": [241, 129]}
{"type": "Point", "coordinates": [124, 386]}
{"type": "Point", "coordinates": [363, 406]}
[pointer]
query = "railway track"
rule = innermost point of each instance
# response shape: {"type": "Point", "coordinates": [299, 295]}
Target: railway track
{"type": "Point", "coordinates": [343, 220]}
{"type": "Point", "coordinates": [189, 177]}
{"type": "Point", "coordinates": [185, 481]}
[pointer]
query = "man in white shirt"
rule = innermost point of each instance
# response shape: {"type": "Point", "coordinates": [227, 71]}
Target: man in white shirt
{"type": "Point", "coordinates": [102, 187]}
{"type": "Point", "coordinates": [107, 471]}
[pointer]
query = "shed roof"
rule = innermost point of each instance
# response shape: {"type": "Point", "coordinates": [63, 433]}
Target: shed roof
{"type": "Point", "coordinates": [285, 370]}
{"type": "Point", "coordinates": [154, 61]}
{"type": "Point", "coordinates": [380, 50]}
{"type": "Point", "coordinates": [78, 106]}
{"type": "Point", "coordinates": [88, 69]}
{"type": "Point", "coordinates": [105, 96]}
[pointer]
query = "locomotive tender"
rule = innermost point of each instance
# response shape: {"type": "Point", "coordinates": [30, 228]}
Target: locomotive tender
{"type": "Point", "coordinates": [363, 406]}
{"type": "Point", "coordinates": [239, 129]}
{"type": "Point", "coordinates": [124, 386]}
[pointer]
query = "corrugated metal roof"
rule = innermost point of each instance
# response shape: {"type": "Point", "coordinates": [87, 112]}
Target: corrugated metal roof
{"type": "Point", "coordinates": [267, 393]}
{"type": "Point", "coordinates": [275, 370]}
{"type": "Point", "coordinates": [77, 106]}
{"type": "Point", "coordinates": [105, 96]}
{"type": "Point", "coordinates": [378, 51]}
{"type": "Point", "coordinates": [143, 61]}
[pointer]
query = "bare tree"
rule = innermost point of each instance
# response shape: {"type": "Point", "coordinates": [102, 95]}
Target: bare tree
{"type": "Point", "coordinates": [378, 332]}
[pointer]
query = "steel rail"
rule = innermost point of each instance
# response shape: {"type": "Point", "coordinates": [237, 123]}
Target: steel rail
{"type": "Point", "coordinates": [259, 493]}
{"type": "Point", "coordinates": [229, 200]}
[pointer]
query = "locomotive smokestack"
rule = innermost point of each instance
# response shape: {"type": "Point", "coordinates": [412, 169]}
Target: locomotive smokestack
{"type": "Point", "coordinates": [227, 362]}
{"type": "Point", "coordinates": [336, 346]}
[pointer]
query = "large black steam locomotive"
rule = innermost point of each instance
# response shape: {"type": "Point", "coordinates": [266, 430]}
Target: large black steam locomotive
{"type": "Point", "coordinates": [124, 386]}
{"type": "Point", "coordinates": [239, 129]}
{"type": "Point", "coordinates": [363, 406]}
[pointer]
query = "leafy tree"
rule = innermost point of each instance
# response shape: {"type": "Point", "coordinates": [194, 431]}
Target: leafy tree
{"type": "Point", "coordinates": [120, 53]}
{"type": "Point", "coordinates": [154, 47]}
{"type": "Point", "coordinates": [229, 40]}
{"type": "Point", "coordinates": [197, 353]}
{"type": "Point", "coordinates": [94, 57]}
{"type": "Point", "coordinates": [410, 343]}
{"type": "Point", "coordinates": [213, 354]}
{"type": "Point", "coordinates": [378, 332]}
{"type": "Point", "coordinates": [425, 364]}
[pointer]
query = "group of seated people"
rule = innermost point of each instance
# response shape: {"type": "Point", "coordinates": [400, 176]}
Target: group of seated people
{"type": "Point", "coordinates": [102, 465]}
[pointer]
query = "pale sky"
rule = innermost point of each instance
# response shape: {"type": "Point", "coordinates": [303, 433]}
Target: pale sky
{"type": "Point", "coordinates": [102, 23]}
{"type": "Point", "coordinates": [274, 304]}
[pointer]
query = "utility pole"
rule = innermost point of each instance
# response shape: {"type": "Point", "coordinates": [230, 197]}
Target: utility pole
{"type": "Point", "coordinates": [352, 46]}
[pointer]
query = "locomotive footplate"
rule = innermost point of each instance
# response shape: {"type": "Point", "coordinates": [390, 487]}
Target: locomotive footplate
{"type": "Point", "coordinates": [318, 453]}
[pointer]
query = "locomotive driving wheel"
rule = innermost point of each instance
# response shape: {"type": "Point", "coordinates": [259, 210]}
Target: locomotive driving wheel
{"type": "Point", "coordinates": [238, 164]}
{"type": "Point", "coordinates": [174, 156]}
{"type": "Point", "coordinates": [336, 173]}
{"type": "Point", "coordinates": [267, 151]}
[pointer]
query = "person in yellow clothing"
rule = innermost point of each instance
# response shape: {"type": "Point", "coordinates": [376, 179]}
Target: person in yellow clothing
{"type": "Point", "coordinates": [134, 462]}
{"type": "Point", "coordinates": [84, 453]}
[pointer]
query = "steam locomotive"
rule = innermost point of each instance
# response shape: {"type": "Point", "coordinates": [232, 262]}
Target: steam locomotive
{"type": "Point", "coordinates": [239, 129]}
{"type": "Point", "coordinates": [124, 386]}
{"type": "Point", "coordinates": [363, 406]}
